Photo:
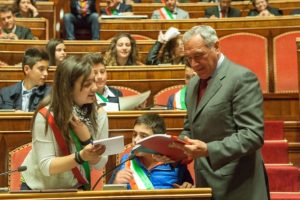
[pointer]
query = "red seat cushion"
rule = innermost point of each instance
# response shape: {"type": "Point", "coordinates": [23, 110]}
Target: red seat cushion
{"type": "Point", "coordinates": [285, 62]}
{"type": "Point", "coordinates": [248, 50]}
{"type": "Point", "coordinates": [161, 98]}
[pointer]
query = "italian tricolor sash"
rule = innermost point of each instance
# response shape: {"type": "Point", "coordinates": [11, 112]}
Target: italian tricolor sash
{"type": "Point", "coordinates": [165, 13]}
{"type": "Point", "coordinates": [103, 99]}
{"type": "Point", "coordinates": [179, 99]}
{"type": "Point", "coordinates": [140, 179]}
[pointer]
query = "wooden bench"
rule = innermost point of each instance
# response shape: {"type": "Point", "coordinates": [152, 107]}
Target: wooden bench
{"type": "Point", "coordinates": [141, 78]}
{"type": "Point", "coordinates": [150, 28]}
{"type": "Point", "coordinates": [38, 26]}
{"type": "Point", "coordinates": [197, 9]}
{"type": "Point", "coordinates": [12, 52]}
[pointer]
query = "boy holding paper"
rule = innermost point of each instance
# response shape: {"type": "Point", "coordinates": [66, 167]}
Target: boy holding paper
{"type": "Point", "coordinates": [144, 172]}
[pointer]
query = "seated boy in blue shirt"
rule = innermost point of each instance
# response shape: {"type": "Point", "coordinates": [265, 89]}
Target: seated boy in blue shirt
{"type": "Point", "coordinates": [144, 172]}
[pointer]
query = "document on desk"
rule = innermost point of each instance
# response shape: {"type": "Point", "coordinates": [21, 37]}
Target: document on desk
{"type": "Point", "coordinates": [113, 145]}
{"type": "Point", "coordinates": [131, 102]}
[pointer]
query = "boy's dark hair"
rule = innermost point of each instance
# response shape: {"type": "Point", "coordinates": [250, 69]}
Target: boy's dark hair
{"type": "Point", "coordinates": [32, 56]}
{"type": "Point", "coordinates": [153, 121]}
{"type": "Point", "coordinates": [94, 58]}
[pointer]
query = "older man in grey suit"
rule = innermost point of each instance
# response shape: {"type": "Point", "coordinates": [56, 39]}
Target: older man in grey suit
{"type": "Point", "coordinates": [224, 126]}
{"type": "Point", "coordinates": [170, 11]}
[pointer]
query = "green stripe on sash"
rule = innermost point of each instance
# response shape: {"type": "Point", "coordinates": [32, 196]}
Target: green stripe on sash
{"type": "Point", "coordinates": [85, 165]}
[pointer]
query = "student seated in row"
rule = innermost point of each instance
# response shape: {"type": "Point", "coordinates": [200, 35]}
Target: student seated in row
{"type": "Point", "coordinates": [156, 175]}
{"type": "Point", "coordinates": [122, 51]}
{"type": "Point", "coordinates": [106, 95]}
{"type": "Point", "coordinates": [26, 95]}
{"type": "Point", "coordinates": [56, 50]}
{"type": "Point", "coordinates": [177, 100]}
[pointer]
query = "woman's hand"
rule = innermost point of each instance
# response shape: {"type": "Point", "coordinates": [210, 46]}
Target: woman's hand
{"type": "Point", "coordinates": [33, 10]}
{"type": "Point", "coordinates": [80, 129]}
{"type": "Point", "coordinates": [92, 153]}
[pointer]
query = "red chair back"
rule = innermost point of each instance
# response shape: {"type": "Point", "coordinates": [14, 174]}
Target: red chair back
{"type": "Point", "coordinates": [16, 158]}
{"type": "Point", "coordinates": [285, 62]}
{"type": "Point", "coordinates": [161, 98]}
{"type": "Point", "coordinates": [126, 91]}
{"type": "Point", "coordinates": [248, 50]}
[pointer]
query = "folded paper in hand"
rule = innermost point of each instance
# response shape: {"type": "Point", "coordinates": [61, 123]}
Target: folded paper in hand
{"type": "Point", "coordinates": [131, 102]}
{"type": "Point", "coordinates": [113, 145]}
{"type": "Point", "coordinates": [161, 144]}
{"type": "Point", "coordinates": [171, 33]}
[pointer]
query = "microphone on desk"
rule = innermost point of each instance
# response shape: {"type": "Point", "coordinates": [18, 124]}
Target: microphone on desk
{"type": "Point", "coordinates": [19, 169]}
{"type": "Point", "coordinates": [130, 157]}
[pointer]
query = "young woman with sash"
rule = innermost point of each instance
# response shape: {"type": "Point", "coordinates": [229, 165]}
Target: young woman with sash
{"type": "Point", "coordinates": [144, 172]}
{"type": "Point", "coordinates": [62, 130]}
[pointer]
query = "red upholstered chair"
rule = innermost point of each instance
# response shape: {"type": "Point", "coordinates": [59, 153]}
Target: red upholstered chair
{"type": "Point", "coordinates": [126, 91]}
{"type": "Point", "coordinates": [161, 98]}
{"type": "Point", "coordinates": [140, 37]}
{"type": "Point", "coordinates": [127, 149]}
{"type": "Point", "coordinates": [16, 158]}
{"type": "Point", "coordinates": [285, 62]}
{"type": "Point", "coordinates": [248, 50]}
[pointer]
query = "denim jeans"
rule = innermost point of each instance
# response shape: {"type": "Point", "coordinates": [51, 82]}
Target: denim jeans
{"type": "Point", "coordinates": [71, 21]}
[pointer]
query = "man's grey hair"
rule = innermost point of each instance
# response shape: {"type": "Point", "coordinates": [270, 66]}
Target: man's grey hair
{"type": "Point", "coordinates": [207, 33]}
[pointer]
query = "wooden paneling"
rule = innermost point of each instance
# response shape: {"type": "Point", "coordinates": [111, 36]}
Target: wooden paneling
{"type": "Point", "coordinates": [12, 52]}
{"type": "Point", "coordinates": [197, 10]}
{"type": "Point", "coordinates": [151, 28]}
{"type": "Point", "coordinates": [38, 26]}
{"type": "Point", "coordinates": [141, 78]}
{"type": "Point", "coordinates": [174, 194]}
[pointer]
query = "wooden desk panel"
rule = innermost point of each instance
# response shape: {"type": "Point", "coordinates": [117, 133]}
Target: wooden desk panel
{"type": "Point", "coordinates": [39, 26]}
{"type": "Point", "coordinates": [197, 9]}
{"type": "Point", "coordinates": [151, 28]}
{"type": "Point", "coordinates": [12, 52]}
{"type": "Point", "coordinates": [140, 78]}
{"type": "Point", "coordinates": [174, 194]}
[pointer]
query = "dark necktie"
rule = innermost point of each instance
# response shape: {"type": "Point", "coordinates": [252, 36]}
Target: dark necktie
{"type": "Point", "coordinates": [202, 88]}
{"type": "Point", "coordinates": [223, 13]}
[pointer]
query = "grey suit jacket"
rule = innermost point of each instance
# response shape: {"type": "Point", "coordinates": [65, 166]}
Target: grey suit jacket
{"type": "Point", "coordinates": [232, 12]}
{"type": "Point", "coordinates": [229, 118]}
{"type": "Point", "coordinates": [181, 14]}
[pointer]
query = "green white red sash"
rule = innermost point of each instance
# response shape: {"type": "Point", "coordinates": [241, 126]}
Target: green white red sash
{"type": "Point", "coordinates": [140, 179]}
{"type": "Point", "coordinates": [165, 13]}
{"type": "Point", "coordinates": [179, 99]}
{"type": "Point", "coordinates": [103, 99]}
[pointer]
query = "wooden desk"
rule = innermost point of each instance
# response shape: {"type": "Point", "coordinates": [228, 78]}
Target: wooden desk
{"type": "Point", "coordinates": [150, 28]}
{"type": "Point", "coordinates": [197, 9]}
{"type": "Point", "coordinates": [174, 194]}
{"type": "Point", "coordinates": [39, 26]}
{"type": "Point", "coordinates": [12, 52]}
{"type": "Point", "coordinates": [140, 78]}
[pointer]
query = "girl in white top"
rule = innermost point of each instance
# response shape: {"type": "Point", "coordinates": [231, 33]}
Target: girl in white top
{"type": "Point", "coordinates": [72, 105]}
